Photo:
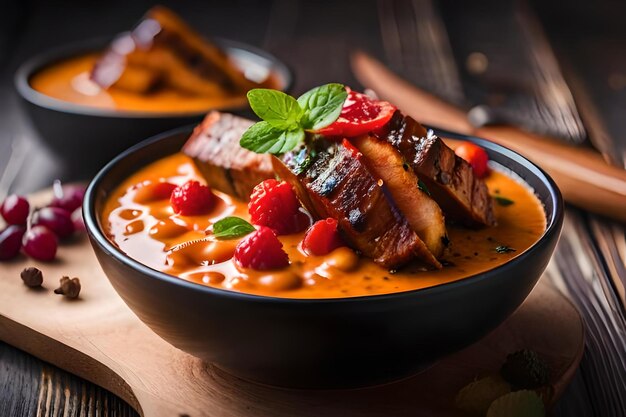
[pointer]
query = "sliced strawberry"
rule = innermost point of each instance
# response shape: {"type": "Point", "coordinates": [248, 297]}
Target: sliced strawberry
{"type": "Point", "coordinates": [360, 115]}
{"type": "Point", "coordinates": [476, 156]}
{"type": "Point", "coordinates": [261, 250]}
{"type": "Point", "coordinates": [322, 238]}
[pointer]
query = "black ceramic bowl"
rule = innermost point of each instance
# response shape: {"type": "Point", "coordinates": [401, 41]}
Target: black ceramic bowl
{"type": "Point", "coordinates": [329, 343]}
{"type": "Point", "coordinates": [88, 137]}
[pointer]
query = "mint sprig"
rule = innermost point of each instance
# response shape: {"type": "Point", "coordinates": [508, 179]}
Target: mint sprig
{"type": "Point", "coordinates": [285, 119]}
{"type": "Point", "coordinates": [231, 228]}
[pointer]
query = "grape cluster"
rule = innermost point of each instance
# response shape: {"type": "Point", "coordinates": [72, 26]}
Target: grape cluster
{"type": "Point", "coordinates": [37, 231]}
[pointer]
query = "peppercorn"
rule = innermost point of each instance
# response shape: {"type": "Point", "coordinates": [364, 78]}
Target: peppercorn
{"type": "Point", "coordinates": [32, 277]}
{"type": "Point", "coordinates": [68, 287]}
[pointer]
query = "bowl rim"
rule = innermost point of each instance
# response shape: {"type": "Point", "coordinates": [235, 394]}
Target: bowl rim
{"type": "Point", "coordinates": [35, 63]}
{"type": "Point", "coordinates": [553, 227]}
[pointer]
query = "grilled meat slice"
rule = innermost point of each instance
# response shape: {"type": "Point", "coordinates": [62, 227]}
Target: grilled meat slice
{"type": "Point", "coordinates": [226, 166]}
{"type": "Point", "coordinates": [163, 50]}
{"type": "Point", "coordinates": [333, 181]}
{"type": "Point", "coordinates": [422, 212]}
{"type": "Point", "coordinates": [450, 180]}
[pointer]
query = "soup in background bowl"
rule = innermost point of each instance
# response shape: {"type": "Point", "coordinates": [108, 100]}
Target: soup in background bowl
{"type": "Point", "coordinates": [317, 335]}
{"type": "Point", "coordinates": [86, 127]}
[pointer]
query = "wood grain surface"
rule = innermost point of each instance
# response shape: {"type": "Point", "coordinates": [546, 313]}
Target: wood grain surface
{"type": "Point", "coordinates": [97, 337]}
{"type": "Point", "coordinates": [51, 391]}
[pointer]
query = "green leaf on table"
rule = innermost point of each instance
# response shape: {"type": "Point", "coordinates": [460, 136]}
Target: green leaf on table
{"type": "Point", "coordinates": [231, 228]}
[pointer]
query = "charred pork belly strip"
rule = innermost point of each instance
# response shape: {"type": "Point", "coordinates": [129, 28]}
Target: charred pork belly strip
{"type": "Point", "coordinates": [162, 49]}
{"type": "Point", "coordinates": [422, 212]}
{"type": "Point", "coordinates": [332, 181]}
{"type": "Point", "coordinates": [226, 166]}
{"type": "Point", "coordinates": [449, 179]}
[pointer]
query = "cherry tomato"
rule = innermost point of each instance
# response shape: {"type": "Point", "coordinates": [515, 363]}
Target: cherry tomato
{"type": "Point", "coordinates": [476, 156]}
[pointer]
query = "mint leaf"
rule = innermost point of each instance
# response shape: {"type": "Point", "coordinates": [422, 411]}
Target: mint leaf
{"type": "Point", "coordinates": [231, 227]}
{"type": "Point", "coordinates": [322, 105]}
{"type": "Point", "coordinates": [262, 137]}
{"type": "Point", "coordinates": [285, 118]}
{"type": "Point", "coordinates": [277, 108]}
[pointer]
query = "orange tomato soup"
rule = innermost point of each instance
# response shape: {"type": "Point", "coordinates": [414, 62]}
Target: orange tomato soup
{"type": "Point", "coordinates": [68, 80]}
{"type": "Point", "coordinates": [146, 231]}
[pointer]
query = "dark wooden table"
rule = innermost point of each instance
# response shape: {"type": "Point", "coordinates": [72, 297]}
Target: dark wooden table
{"type": "Point", "coordinates": [433, 44]}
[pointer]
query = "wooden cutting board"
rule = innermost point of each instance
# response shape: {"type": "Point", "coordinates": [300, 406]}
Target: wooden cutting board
{"type": "Point", "coordinates": [99, 338]}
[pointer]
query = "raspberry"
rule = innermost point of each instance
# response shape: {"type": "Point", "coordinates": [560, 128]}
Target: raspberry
{"type": "Point", "coordinates": [261, 250]}
{"type": "Point", "coordinates": [322, 238]}
{"type": "Point", "coordinates": [192, 198]}
{"type": "Point", "coordinates": [274, 204]}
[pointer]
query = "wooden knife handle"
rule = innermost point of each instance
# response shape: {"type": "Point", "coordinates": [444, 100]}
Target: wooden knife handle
{"type": "Point", "coordinates": [584, 178]}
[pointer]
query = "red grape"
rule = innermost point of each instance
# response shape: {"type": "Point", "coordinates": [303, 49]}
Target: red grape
{"type": "Point", "coordinates": [56, 219]}
{"type": "Point", "coordinates": [40, 243]}
{"type": "Point", "coordinates": [68, 197]}
{"type": "Point", "coordinates": [11, 241]}
{"type": "Point", "coordinates": [15, 209]}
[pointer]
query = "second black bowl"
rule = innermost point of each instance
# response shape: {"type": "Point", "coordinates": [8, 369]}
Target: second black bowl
{"type": "Point", "coordinates": [329, 343]}
{"type": "Point", "coordinates": [87, 137]}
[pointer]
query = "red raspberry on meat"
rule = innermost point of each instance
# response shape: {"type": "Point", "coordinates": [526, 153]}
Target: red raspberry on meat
{"type": "Point", "coordinates": [322, 238]}
{"type": "Point", "coordinates": [192, 198]}
{"type": "Point", "coordinates": [274, 204]}
{"type": "Point", "coordinates": [261, 250]}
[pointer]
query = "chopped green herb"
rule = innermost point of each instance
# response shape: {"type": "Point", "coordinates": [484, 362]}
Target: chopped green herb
{"type": "Point", "coordinates": [303, 160]}
{"type": "Point", "coordinates": [503, 201]}
{"type": "Point", "coordinates": [422, 187]}
{"type": "Point", "coordinates": [504, 249]}
{"type": "Point", "coordinates": [285, 119]}
{"type": "Point", "coordinates": [231, 228]}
